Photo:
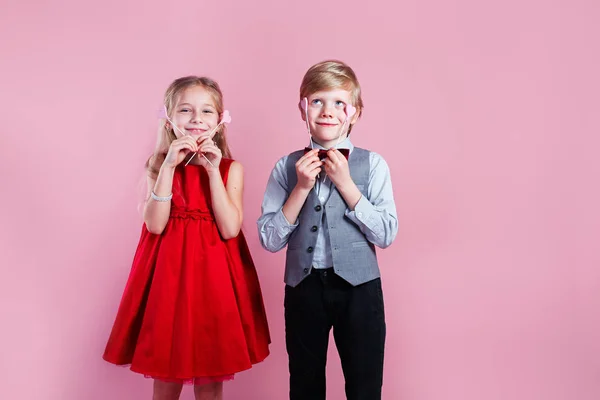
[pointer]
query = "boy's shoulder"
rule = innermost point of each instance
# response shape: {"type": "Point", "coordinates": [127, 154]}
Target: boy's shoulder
{"type": "Point", "coordinates": [373, 156]}
{"type": "Point", "coordinates": [365, 149]}
{"type": "Point", "coordinates": [295, 154]}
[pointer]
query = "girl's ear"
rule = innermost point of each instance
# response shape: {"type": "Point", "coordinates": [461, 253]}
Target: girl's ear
{"type": "Point", "coordinates": [168, 126]}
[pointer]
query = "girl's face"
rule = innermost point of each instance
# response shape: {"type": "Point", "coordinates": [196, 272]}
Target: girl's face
{"type": "Point", "coordinates": [195, 112]}
{"type": "Point", "coordinates": [326, 114]}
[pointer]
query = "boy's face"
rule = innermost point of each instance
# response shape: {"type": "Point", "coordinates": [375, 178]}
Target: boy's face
{"type": "Point", "coordinates": [326, 114]}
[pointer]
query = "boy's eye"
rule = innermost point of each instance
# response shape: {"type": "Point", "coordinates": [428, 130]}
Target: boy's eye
{"type": "Point", "coordinates": [316, 102]}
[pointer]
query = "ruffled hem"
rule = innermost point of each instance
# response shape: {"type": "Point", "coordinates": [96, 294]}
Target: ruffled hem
{"type": "Point", "coordinates": [198, 380]}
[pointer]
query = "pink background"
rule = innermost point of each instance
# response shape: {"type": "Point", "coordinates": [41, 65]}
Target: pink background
{"type": "Point", "coordinates": [486, 113]}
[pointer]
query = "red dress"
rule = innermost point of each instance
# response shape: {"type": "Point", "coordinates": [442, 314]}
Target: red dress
{"type": "Point", "coordinates": [192, 307]}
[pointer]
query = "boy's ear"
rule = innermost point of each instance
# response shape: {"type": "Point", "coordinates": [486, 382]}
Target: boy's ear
{"type": "Point", "coordinates": [303, 106]}
{"type": "Point", "coordinates": [302, 115]}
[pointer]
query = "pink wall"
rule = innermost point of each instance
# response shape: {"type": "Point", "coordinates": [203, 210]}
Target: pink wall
{"type": "Point", "coordinates": [486, 114]}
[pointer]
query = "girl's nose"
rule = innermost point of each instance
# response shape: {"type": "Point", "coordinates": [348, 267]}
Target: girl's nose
{"type": "Point", "coordinates": [196, 117]}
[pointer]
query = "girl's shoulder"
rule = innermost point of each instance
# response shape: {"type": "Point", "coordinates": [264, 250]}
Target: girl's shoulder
{"type": "Point", "coordinates": [230, 166]}
{"type": "Point", "coordinates": [226, 165]}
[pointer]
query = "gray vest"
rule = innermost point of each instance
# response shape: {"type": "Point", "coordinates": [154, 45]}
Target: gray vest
{"type": "Point", "coordinates": [354, 257]}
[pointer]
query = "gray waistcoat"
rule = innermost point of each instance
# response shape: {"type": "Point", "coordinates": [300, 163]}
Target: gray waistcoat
{"type": "Point", "coordinates": [354, 257]}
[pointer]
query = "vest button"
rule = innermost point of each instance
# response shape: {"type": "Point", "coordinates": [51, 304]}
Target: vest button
{"type": "Point", "coordinates": [310, 249]}
{"type": "Point", "coordinates": [314, 228]}
{"type": "Point", "coordinates": [318, 208]}
{"type": "Point", "coordinates": [306, 270]}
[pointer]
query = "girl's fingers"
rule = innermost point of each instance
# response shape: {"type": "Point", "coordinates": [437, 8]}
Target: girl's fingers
{"type": "Point", "coordinates": [202, 139]}
{"type": "Point", "coordinates": [185, 140]}
{"type": "Point", "coordinates": [186, 146]}
{"type": "Point", "coordinates": [209, 148]}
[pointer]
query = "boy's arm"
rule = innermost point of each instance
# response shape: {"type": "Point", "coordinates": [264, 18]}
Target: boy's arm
{"type": "Point", "coordinates": [274, 229]}
{"type": "Point", "coordinates": [376, 214]}
{"type": "Point", "coordinates": [280, 205]}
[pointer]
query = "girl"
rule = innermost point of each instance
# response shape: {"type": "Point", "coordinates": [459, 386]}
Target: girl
{"type": "Point", "coordinates": [192, 310]}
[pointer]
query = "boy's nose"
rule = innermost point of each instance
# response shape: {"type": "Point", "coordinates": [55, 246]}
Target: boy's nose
{"type": "Point", "coordinates": [327, 112]}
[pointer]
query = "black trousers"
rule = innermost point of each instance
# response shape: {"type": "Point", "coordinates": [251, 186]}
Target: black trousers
{"type": "Point", "coordinates": [324, 300]}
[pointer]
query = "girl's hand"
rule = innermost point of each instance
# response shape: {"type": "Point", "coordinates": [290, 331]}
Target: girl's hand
{"type": "Point", "coordinates": [211, 151]}
{"type": "Point", "coordinates": [178, 151]}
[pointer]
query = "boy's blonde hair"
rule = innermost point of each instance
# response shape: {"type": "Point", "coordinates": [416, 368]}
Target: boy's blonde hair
{"type": "Point", "coordinates": [332, 74]}
{"type": "Point", "coordinates": [167, 135]}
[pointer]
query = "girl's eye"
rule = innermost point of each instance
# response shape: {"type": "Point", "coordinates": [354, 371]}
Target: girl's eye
{"type": "Point", "coordinates": [340, 103]}
{"type": "Point", "coordinates": [184, 110]}
{"type": "Point", "coordinates": [207, 111]}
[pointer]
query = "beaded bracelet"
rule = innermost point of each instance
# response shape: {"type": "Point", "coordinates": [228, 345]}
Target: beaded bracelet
{"type": "Point", "coordinates": [159, 198]}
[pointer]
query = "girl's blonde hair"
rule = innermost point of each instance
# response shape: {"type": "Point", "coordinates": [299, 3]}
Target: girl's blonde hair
{"type": "Point", "coordinates": [167, 135]}
{"type": "Point", "coordinates": [332, 74]}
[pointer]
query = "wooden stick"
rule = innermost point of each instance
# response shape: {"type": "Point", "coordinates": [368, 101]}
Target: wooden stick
{"type": "Point", "coordinates": [210, 136]}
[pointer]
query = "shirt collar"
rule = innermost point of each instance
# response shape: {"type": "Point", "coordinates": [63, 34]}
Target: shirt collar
{"type": "Point", "coordinates": [344, 144]}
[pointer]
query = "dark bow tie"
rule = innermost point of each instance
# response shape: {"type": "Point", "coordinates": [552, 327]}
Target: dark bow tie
{"type": "Point", "coordinates": [323, 153]}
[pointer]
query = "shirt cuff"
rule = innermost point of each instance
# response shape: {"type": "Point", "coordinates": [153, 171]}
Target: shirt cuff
{"type": "Point", "coordinates": [282, 224]}
{"type": "Point", "coordinates": [361, 211]}
{"type": "Point", "coordinates": [362, 215]}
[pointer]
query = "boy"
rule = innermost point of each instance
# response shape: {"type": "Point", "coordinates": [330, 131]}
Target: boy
{"type": "Point", "coordinates": [331, 204]}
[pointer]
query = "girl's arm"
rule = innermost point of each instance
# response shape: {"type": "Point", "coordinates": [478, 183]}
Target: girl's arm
{"type": "Point", "coordinates": [227, 199]}
{"type": "Point", "coordinates": [156, 213]}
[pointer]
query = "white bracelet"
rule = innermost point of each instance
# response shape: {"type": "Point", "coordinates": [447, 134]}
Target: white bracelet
{"type": "Point", "coordinates": [159, 198]}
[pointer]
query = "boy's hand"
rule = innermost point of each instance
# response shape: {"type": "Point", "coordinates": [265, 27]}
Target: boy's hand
{"type": "Point", "coordinates": [336, 167]}
{"type": "Point", "coordinates": [307, 169]}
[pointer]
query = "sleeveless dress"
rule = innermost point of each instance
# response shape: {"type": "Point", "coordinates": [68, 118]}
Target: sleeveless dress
{"type": "Point", "coordinates": [192, 309]}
